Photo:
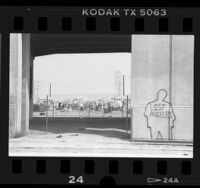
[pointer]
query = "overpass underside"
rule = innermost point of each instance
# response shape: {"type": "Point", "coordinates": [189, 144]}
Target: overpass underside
{"type": "Point", "coordinates": [25, 47]}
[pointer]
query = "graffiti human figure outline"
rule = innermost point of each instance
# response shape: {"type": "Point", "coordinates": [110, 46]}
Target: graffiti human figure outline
{"type": "Point", "coordinates": [160, 117]}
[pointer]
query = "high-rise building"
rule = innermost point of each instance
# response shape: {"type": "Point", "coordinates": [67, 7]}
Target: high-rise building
{"type": "Point", "coordinates": [118, 84]}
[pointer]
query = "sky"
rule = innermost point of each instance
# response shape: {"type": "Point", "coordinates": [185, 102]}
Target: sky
{"type": "Point", "coordinates": [80, 74]}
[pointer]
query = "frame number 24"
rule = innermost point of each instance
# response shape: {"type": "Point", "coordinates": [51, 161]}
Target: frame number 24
{"type": "Point", "coordinates": [75, 180]}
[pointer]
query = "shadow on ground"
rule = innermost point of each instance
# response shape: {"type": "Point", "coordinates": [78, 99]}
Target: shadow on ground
{"type": "Point", "coordinates": [112, 127]}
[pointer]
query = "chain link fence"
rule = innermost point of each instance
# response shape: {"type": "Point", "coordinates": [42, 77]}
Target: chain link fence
{"type": "Point", "coordinates": [83, 109]}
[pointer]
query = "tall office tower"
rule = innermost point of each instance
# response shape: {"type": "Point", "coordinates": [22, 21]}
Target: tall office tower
{"type": "Point", "coordinates": [118, 83]}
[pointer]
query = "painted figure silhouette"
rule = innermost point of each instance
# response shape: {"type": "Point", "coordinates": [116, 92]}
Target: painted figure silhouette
{"type": "Point", "coordinates": [160, 117]}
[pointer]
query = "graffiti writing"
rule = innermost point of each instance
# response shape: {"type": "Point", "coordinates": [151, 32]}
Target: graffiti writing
{"type": "Point", "coordinates": [159, 110]}
{"type": "Point", "coordinates": [160, 116]}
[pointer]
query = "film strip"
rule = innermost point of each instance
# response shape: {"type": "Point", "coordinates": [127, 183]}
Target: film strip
{"type": "Point", "coordinates": [161, 45]}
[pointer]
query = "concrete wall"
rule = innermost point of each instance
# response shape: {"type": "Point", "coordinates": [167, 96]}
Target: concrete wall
{"type": "Point", "coordinates": [182, 86]}
{"type": "Point", "coordinates": [19, 84]}
{"type": "Point", "coordinates": [162, 62]}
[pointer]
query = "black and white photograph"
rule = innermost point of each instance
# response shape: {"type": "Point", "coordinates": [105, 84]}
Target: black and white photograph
{"type": "Point", "coordinates": [98, 95]}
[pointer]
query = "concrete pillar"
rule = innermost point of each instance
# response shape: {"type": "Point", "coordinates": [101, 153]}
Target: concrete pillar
{"type": "Point", "coordinates": [25, 82]}
{"type": "Point", "coordinates": [19, 84]}
{"type": "Point", "coordinates": [15, 99]}
{"type": "Point", "coordinates": [182, 87]}
{"type": "Point", "coordinates": [154, 66]}
{"type": "Point", "coordinates": [31, 86]}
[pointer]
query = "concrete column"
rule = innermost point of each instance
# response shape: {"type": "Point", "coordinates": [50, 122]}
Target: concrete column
{"type": "Point", "coordinates": [182, 87]}
{"type": "Point", "coordinates": [25, 82]}
{"type": "Point", "coordinates": [149, 74]}
{"type": "Point", "coordinates": [15, 99]}
{"type": "Point", "coordinates": [31, 86]}
{"type": "Point", "coordinates": [162, 62]}
{"type": "Point", "coordinates": [19, 84]}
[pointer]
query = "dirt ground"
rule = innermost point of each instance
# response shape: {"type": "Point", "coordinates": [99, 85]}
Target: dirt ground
{"type": "Point", "coordinates": [90, 139]}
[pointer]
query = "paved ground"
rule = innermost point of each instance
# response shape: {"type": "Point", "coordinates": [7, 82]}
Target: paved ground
{"type": "Point", "coordinates": [88, 138]}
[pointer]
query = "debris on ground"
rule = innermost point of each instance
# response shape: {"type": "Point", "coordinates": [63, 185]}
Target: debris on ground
{"type": "Point", "coordinates": [74, 135]}
{"type": "Point", "coordinates": [82, 129]}
{"type": "Point", "coordinates": [59, 136]}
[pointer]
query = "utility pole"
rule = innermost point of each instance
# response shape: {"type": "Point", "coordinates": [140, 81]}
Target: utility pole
{"type": "Point", "coordinates": [123, 87]}
{"type": "Point", "coordinates": [127, 115]}
{"type": "Point", "coordinates": [89, 109]}
{"type": "Point", "coordinates": [123, 95]}
{"type": "Point", "coordinates": [50, 91]}
{"type": "Point", "coordinates": [47, 108]}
